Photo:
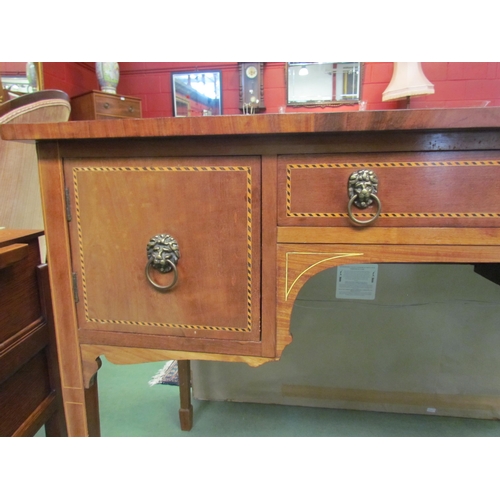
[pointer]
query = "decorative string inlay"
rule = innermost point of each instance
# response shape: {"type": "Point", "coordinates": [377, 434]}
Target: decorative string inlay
{"type": "Point", "coordinates": [246, 170]}
{"type": "Point", "coordinates": [325, 257]}
{"type": "Point", "coordinates": [339, 215]}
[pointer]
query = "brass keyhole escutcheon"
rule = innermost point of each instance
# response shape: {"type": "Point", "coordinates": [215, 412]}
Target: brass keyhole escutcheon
{"type": "Point", "coordinates": [163, 255]}
{"type": "Point", "coordinates": [362, 191]}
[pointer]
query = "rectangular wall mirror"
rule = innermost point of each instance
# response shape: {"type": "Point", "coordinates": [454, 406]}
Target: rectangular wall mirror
{"type": "Point", "coordinates": [197, 93]}
{"type": "Point", "coordinates": [323, 83]}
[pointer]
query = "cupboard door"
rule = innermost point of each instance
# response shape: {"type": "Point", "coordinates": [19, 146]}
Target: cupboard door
{"type": "Point", "coordinates": [210, 206]}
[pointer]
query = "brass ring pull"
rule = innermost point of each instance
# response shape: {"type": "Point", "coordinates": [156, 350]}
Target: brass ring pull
{"type": "Point", "coordinates": [163, 255]}
{"type": "Point", "coordinates": [162, 288]}
{"type": "Point", "coordinates": [368, 221]}
{"type": "Point", "coordinates": [362, 189]}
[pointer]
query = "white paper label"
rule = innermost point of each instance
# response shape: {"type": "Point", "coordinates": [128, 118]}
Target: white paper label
{"type": "Point", "coordinates": [358, 281]}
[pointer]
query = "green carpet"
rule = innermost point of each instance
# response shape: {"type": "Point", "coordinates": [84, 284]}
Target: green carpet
{"type": "Point", "coordinates": [130, 407]}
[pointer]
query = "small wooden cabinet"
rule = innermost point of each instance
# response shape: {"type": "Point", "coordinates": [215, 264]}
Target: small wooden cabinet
{"type": "Point", "coordinates": [104, 106]}
{"type": "Point", "coordinates": [257, 205]}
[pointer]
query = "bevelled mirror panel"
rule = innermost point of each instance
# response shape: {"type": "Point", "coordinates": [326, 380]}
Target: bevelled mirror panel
{"type": "Point", "coordinates": [323, 83]}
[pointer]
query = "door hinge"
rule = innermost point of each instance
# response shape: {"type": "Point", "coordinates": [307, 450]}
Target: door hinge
{"type": "Point", "coordinates": [75, 287]}
{"type": "Point", "coordinates": [68, 204]}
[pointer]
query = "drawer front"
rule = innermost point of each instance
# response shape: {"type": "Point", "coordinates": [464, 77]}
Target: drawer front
{"type": "Point", "coordinates": [117, 107]}
{"type": "Point", "coordinates": [419, 190]}
{"type": "Point", "coordinates": [22, 394]}
{"type": "Point", "coordinates": [19, 297]}
{"type": "Point", "coordinates": [210, 207]}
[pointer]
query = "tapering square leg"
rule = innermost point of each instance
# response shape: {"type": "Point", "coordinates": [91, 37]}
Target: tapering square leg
{"type": "Point", "coordinates": [186, 409]}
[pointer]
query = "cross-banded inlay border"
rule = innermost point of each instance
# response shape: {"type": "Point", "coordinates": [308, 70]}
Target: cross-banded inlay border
{"type": "Point", "coordinates": [394, 164]}
{"type": "Point", "coordinates": [244, 169]}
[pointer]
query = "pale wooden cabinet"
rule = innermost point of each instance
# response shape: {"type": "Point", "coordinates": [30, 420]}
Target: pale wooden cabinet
{"type": "Point", "coordinates": [257, 205]}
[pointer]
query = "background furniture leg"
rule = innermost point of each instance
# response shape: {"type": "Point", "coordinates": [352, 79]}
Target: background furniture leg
{"type": "Point", "coordinates": [186, 409]}
{"type": "Point", "coordinates": [92, 406]}
{"type": "Point", "coordinates": [56, 425]}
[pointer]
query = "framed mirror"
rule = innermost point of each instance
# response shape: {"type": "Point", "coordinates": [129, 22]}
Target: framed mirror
{"type": "Point", "coordinates": [323, 83]}
{"type": "Point", "coordinates": [19, 78]}
{"type": "Point", "coordinates": [197, 93]}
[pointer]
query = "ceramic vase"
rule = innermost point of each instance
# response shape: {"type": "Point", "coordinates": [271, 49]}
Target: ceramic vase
{"type": "Point", "coordinates": [32, 76]}
{"type": "Point", "coordinates": [108, 75]}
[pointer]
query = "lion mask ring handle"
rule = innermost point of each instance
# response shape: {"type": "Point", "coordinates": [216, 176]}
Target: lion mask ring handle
{"type": "Point", "coordinates": [362, 190]}
{"type": "Point", "coordinates": [163, 255]}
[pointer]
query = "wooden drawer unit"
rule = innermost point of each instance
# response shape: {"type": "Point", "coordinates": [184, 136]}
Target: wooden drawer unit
{"type": "Point", "coordinates": [30, 392]}
{"type": "Point", "coordinates": [414, 190]}
{"type": "Point", "coordinates": [103, 106]}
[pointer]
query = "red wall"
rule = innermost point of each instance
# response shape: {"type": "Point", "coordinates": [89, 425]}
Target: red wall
{"type": "Point", "coordinates": [152, 83]}
{"type": "Point", "coordinates": [71, 77]}
{"type": "Point", "coordinates": [12, 68]}
{"type": "Point", "coordinates": [456, 84]}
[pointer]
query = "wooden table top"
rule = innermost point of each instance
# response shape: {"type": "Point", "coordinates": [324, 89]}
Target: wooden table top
{"type": "Point", "coordinates": [276, 124]}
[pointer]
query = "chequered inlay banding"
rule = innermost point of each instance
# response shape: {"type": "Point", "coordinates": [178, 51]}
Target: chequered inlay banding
{"type": "Point", "coordinates": [463, 163]}
{"type": "Point", "coordinates": [245, 169]}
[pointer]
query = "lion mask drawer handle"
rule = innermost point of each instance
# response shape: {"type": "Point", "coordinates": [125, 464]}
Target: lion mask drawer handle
{"type": "Point", "coordinates": [163, 255]}
{"type": "Point", "coordinates": [362, 190]}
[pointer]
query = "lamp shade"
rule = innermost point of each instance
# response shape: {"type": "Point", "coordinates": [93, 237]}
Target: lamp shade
{"type": "Point", "coordinates": [407, 80]}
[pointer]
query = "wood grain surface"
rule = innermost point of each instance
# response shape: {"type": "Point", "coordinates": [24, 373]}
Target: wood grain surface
{"type": "Point", "coordinates": [438, 189]}
{"type": "Point", "coordinates": [210, 206]}
{"type": "Point", "coordinates": [293, 123]}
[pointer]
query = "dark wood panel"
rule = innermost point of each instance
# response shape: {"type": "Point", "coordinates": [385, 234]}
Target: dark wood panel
{"type": "Point", "coordinates": [21, 347]}
{"type": "Point", "coordinates": [334, 142]}
{"type": "Point", "coordinates": [23, 393]}
{"type": "Point", "coordinates": [30, 392]}
{"type": "Point", "coordinates": [19, 298]}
